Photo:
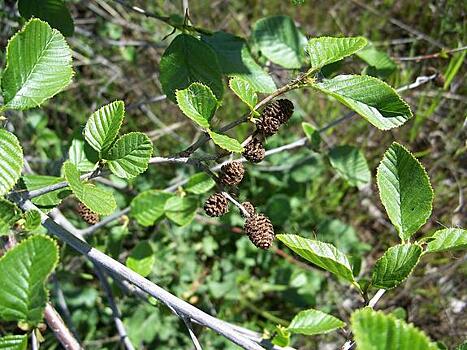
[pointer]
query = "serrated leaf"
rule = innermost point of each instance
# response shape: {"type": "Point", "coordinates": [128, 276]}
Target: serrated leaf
{"type": "Point", "coordinates": [244, 91]}
{"type": "Point", "coordinates": [129, 156]}
{"type": "Point", "coordinates": [198, 103]}
{"type": "Point", "coordinates": [370, 97]}
{"type": "Point", "coordinates": [405, 190]}
{"type": "Point", "coordinates": [447, 239]}
{"type": "Point", "coordinates": [53, 12]}
{"type": "Point", "coordinates": [379, 62]}
{"type": "Point", "coordinates": [14, 342]}
{"type": "Point", "coordinates": [237, 61]}
{"type": "Point", "coordinates": [199, 183]}
{"type": "Point", "coordinates": [147, 207]}
{"type": "Point", "coordinates": [321, 254]}
{"type": "Point", "coordinates": [181, 210]}
{"type": "Point", "coordinates": [326, 50]}
{"type": "Point", "coordinates": [351, 164]}
{"type": "Point", "coordinates": [188, 60]}
{"type": "Point", "coordinates": [313, 136]}
{"type": "Point", "coordinates": [103, 126]}
{"type": "Point", "coordinates": [38, 66]}
{"type": "Point", "coordinates": [141, 259]}
{"type": "Point", "coordinates": [311, 322]}
{"type": "Point", "coordinates": [95, 198]}
{"type": "Point", "coordinates": [226, 142]}
{"type": "Point", "coordinates": [280, 41]}
{"type": "Point", "coordinates": [82, 154]}
{"type": "Point", "coordinates": [32, 220]}
{"type": "Point", "coordinates": [35, 182]}
{"type": "Point", "coordinates": [373, 330]}
{"type": "Point", "coordinates": [11, 161]}
{"type": "Point", "coordinates": [395, 265]}
{"type": "Point", "coordinates": [9, 214]}
{"type": "Point", "coordinates": [25, 269]}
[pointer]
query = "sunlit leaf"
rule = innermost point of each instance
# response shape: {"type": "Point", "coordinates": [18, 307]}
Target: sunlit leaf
{"type": "Point", "coordinates": [198, 103]}
{"type": "Point", "coordinates": [181, 210]}
{"type": "Point", "coordinates": [244, 91]}
{"type": "Point", "coordinates": [311, 322]}
{"type": "Point", "coordinates": [226, 142]}
{"type": "Point", "coordinates": [147, 207]}
{"type": "Point", "coordinates": [11, 161]}
{"type": "Point", "coordinates": [141, 259]}
{"type": "Point", "coordinates": [447, 239]}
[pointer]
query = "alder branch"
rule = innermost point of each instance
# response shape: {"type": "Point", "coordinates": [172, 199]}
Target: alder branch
{"type": "Point", "coordinates": [60, 330]}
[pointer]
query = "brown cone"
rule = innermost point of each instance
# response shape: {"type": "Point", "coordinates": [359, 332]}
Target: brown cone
{"type": "Point", "coordinates": [249, 207]}
{"type": "Point", "coordinates": [254, 151]}
{"type": "Point", "coordinates": [282, 110]}
{"type": "Point", "coordinates": [232, 173]}
{"type": "Point", "coordinates": [216, 205]}
{"type": "Point", "coordinates": [260, 231]}
{"type": "Point", "coordinates": [87, 214]}
{"type": "Point", "coordinates": [268, 125]}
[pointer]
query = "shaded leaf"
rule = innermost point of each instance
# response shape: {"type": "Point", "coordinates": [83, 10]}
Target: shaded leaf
{"type": "Point", "coordinates": [199, 183]}
{"type": "Point", "coordinates": [198, 103]}
{"type": "Point", "coordinates": [35, 182]}
{"type": "Point", "coordinates": [447, 239]}
{"type": "Point", "coordinates": [32, 220]}
{"type": "Point", "coordinates": [405, 190]}
{"type": "Point", "coordinates": [147, 207]}
{"type": "Point", "coordinates": [379, 62]}
{"type": "Point", "coordinates": [181, 210]}
{"type": "Point", "coordinates": [9, 214]}
{"type": "Point", "coordinates": [244, 91]}
{"type": "Point", "coordinates": [313, 136]}
{"type": "Point", "coordinates": [351, 164]}
{"type": "Point", "coordinates": [311, 322]}
{"type": "Point", "coordinates": [82, 154]}
{"type": "Point", "coordinates": [226, 142]}
{"type": "Point", "coordinates": [11, 161]}
{"type": "Point", "coordinates": [141, 259]}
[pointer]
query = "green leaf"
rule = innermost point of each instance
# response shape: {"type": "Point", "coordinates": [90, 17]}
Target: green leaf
{"type": "Point", "coordinates": [14, 342]}
{"type": "Point", "coordinates": [9, 214]}
{"type": "Point", "coordinates": [188, 60]}
{"type": "Point", "coordinates": [370, 97]}
{"type": "Point", "coordinates": [373, 330]}
{"type": "Point", "coordinates": [51, 199]}
{"type": "Point", "coordinates": [26, 268]}
{"type": "Point", "coordinates": [141, 259]}
{"type": "Point", "coordinates": [350, 163]}
{"type": "Point", "coordinates": [82, 155]}
{"type": "Point", "coordinates": [311, 322]}
{"type": "Point", "coordinates": [447, 239]}
{"type": "Point", "coordinates": [326, 50]}
{"type": "Point", "coordinates": [181, 210]}
{"type": "Point", "coordinates": [147, 207]}
{"type": "Point", "coordinates": [11, 161]}
{"type": "Point", "coordinates": [103, 126]}
{"type": "Point", "coordinates": [199, 183]}
{"type": "Point", "coordinates": [405, 190]}
{"type": "Point", "coordinates": [97, 199]}
{"type": "Point", "coordinates": [280, 41]}
{"type": "Point", "coordinates": [32, 220]}
{"type": "Point", "coordinates": [198, 103]}
{"type": "Point", "coordinates": [321, 254]}
{"type": "Point", "coordinates": [53, 12]}
{"type": "Point", "coordinates": [38, 66]}
{"type": "Point", "coordinates": [226, 142]}
{"type": "Point", "coordinates": [282, 336]}
{"type": "Point", "coordinates": [313, 136]}
{"type": "Point", "coordinates": [244, 91]}
{"type": "Point", "coordinates": [379, 62]}
{"type": "Point", "coordinates": [129, 156]}
{"type": "Point", "coordinates": [237, 61]}
{"type": "Point", "coordinates": [395, 265]}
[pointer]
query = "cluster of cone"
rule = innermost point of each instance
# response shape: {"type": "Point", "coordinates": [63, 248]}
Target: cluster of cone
{"type": "Point", "coordinates": [258, 227]}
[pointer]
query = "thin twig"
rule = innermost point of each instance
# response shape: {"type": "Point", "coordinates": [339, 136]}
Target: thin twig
{"type": "Point", "coordinates": [60, 330]}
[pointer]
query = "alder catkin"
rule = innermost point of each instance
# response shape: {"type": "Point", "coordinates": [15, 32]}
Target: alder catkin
{"type": "Point", "coordinates": [216, 205]}
{"type": "Point", "coordinates": [87, 214]}
{"type": "Point", "coordinates": [259, 230]}
{"type": "Point", "coordinates": [249, 207]}
{"type": "Point", "coordinates": [254, 151]}
{"type": "Point", "coordinates": [232, 173]}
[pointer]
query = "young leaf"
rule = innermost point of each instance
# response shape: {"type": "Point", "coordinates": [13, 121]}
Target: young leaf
{"type": "Point", "coordinates": [82, 154]}
{"type": "Point", "coordinates": [237, 61]}
{"type": "Point", "coordinates": [129, 156]}
{"type": "Point", "coordinates": [281, 337]}
{"type": "Point", "coordinates": [141, 259]}
{"type": "Point", "coordinates": [53, 12]}
{"type": "Point", "coordinates": [198, 103]}
{"type": "Point", "coordinates": [280, 41]}
{"type": "Point", "coordinates": [38, 66]}
{"type": "Point", "coordinates": [244, 91]}
{"type": "Point", "coordinates": [26, 268]}
{"type": "Point", "coordinates": [199, 183]}
{"type": "Point", "coordinates": [379, 62]}
{"type": "Point", "coordinates": [98, 200]}
{"type": "Point", "coordinates": [311, 322]}
{"type": "Point", "coordinates": [226, 142]}
{"type": "Point", "coordinates": [326, 50]}
{"type": "Point", "coordinates": [11, 161]}
{"type": "Point", "coordinates": [405, 190]}
{"type": "Point", "coordinates": [9, 214]}
{"type": "Point", "coordinates": [147, 207]}
{"type": "Point", "coordinates": [32, 220]}
{"type": "Point", "coordinates": [351, 164]}
{"type": "Point", "coordinates": [51, 199]}
{"type": "Point", "coordinates": [395, 265]}
{"type": "Point", "coordinates": [181, 210]}
{"type": "Point", "coordinates": [447, 239]}
{"type": "Point", "coordinates": [188, 60]}
{"type": "Point", "coordinates": [103, 126]}
{"type": "Point", "coordinates": [313, 136]}
{"type": "Point", "coordinates": [375, 330]}
{"type": "Point", "coordinates": [14, 342]}
{"type": "Point", "coordinates": [370, 97]}
{"type": "Point", "coordinates": [322, 254]}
